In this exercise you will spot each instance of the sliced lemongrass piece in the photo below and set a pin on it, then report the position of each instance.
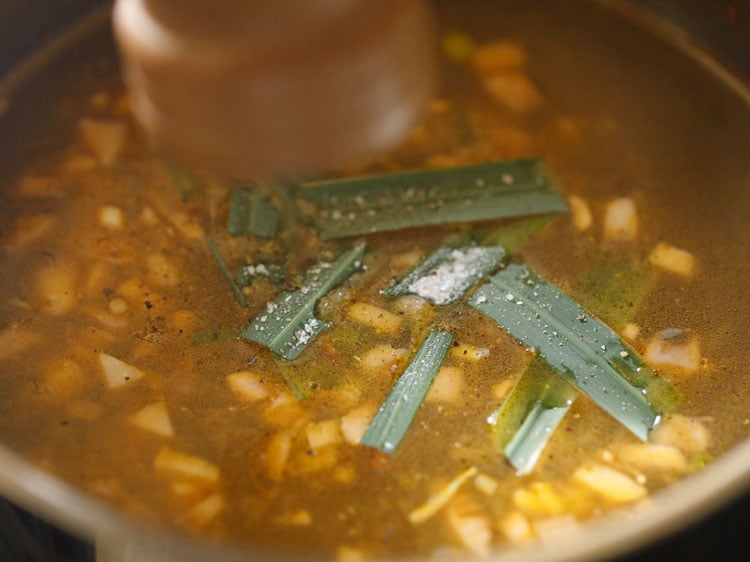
(251, 213)
(378, 203)
(448, 273)
(577, 345)
(225, 273)
(288, 323)
(529, 415)
(390, 424)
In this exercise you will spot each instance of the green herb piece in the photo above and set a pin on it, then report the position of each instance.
(615, 288)
(251, 213)
(577, 345)
(288, 324)
(447, 273)
(238, 294)
(378, 203)
(290, 376)
(274, 272)
(388, 427)
(531, 412)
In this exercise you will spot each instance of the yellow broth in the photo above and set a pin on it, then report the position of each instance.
(103, 254)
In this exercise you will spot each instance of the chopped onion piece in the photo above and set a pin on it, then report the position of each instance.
(176, 465)
(473, 531)
(354, 424)
(621, 220)
(205, 511)
(320, 434)
(110, 217)
(653, 457)
(674, 348)
(153, 418)
(447, 386)
(673, 259)
(117, 372)
(516, 528)
(687, 434)
(247, 386)
(384, 358)
(277, 454)
(105, 138)
(580, 213)
(609, 483)
(377, 318)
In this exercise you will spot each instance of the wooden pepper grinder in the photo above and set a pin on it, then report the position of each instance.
(262, 87)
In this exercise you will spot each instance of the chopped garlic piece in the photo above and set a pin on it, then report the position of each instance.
(473, 531)
(405, 260)
(609, 483)
(149, 217)
(539, 499)
(514, 91)
(118, 306)
(516, 528)
(317, 460)
(438, 500)
(384, 358)
(154, 418)
(285, 411)
(687, 434)
(105, 138)
(485, 484)
(205, 511)
(277, 455)
(447, 386)
(468, 352)
(355, 422)
(498, 57)
(501, 390)
(631, 331)
(413, 305)
(110, 217)
(63, 378)
(344, 474)
(377, 318)
(247, 386)
(580, 213)
(176, 465)
(57, 288)
(161, 270)
(653, 457)
(320, 434)
(117, 372)
(621, 220)
(673, 259)
(675, 348)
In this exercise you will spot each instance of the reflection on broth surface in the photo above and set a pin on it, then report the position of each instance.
(121, 368)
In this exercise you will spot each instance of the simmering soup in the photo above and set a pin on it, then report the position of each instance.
(528, 315)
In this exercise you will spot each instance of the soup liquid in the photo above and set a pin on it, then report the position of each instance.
(103, 257)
